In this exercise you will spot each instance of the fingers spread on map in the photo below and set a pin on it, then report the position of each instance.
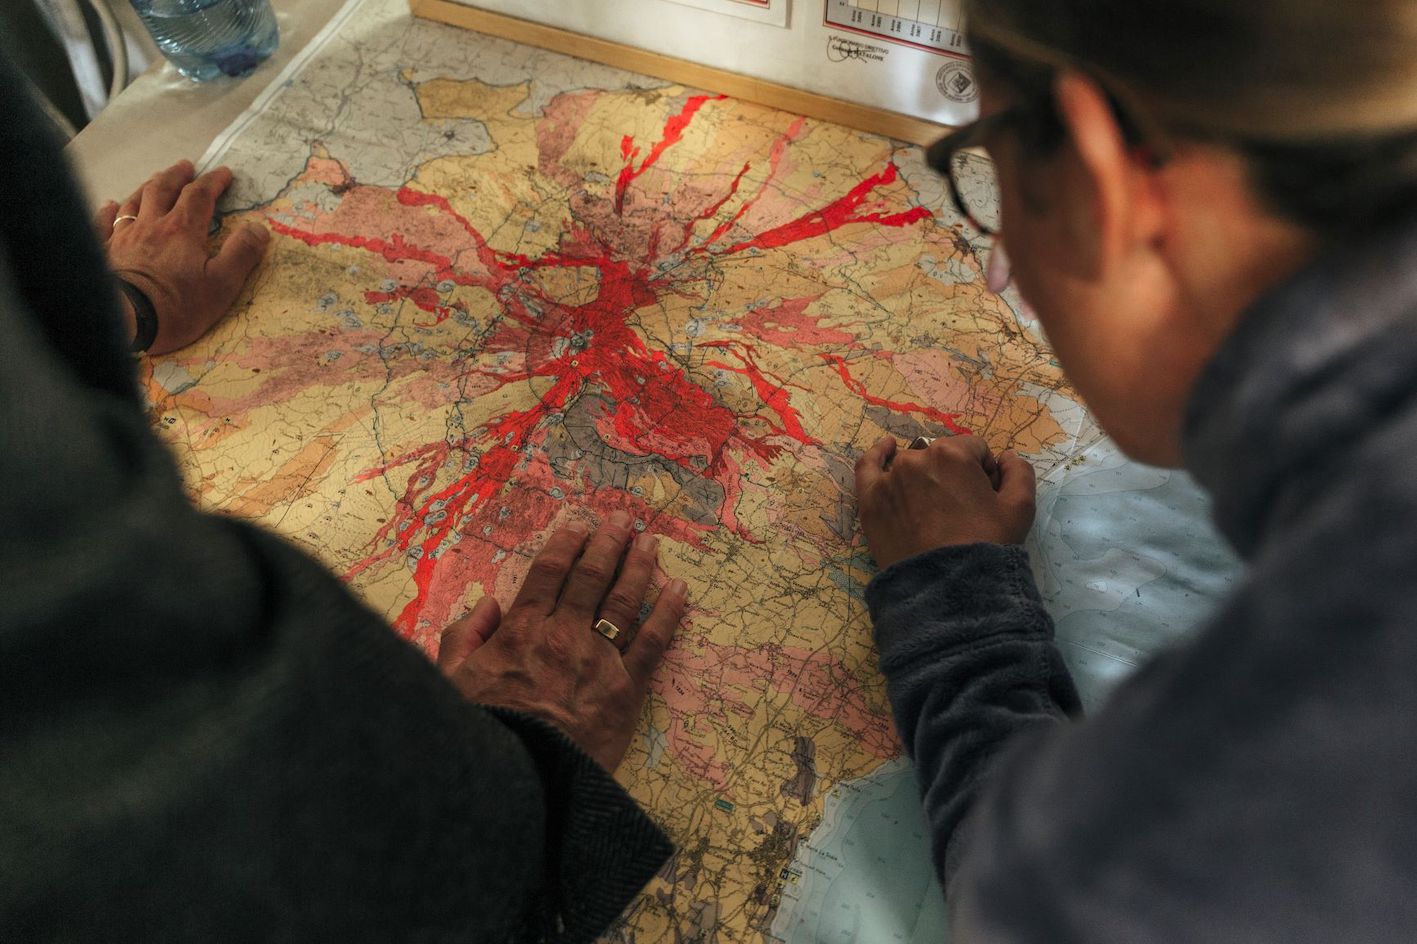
(158, 240)
(591, 577)
(650, 643)
(197, 202)
(545, 657)
(464, 635)
(547, 574)
(236, 260)
(954, 492)
(622, 604)
(157, 196)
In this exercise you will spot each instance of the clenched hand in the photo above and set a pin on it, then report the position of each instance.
(953, 492)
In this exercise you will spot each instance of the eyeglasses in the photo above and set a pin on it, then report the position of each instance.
(961, 159)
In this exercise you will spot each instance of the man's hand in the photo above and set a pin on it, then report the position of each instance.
(164, 251)
(953, 492)
(545, 658)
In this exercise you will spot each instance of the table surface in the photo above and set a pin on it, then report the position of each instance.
(163, 117)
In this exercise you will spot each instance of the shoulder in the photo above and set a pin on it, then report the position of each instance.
(1252, 778)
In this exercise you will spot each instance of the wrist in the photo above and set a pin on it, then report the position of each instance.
(967, 584)
(140, 315)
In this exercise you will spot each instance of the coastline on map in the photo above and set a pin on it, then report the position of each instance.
(866, 866)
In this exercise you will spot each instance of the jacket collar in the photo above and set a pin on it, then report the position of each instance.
(1314, 367)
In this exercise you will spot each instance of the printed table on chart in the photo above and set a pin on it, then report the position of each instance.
(932, 24)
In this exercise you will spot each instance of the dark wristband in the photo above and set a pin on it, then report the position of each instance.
(144, 315)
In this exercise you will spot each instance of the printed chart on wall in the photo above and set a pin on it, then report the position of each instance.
(933, 26)
(772, 12)
(926, 24)
(509, 289)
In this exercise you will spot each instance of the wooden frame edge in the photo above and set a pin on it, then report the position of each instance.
(632, 58)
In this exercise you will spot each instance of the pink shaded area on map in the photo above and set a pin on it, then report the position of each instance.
(705, 680)
(456, 489)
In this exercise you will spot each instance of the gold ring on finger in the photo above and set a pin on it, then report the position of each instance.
(125, 218)
(920, 442)
(608, 629)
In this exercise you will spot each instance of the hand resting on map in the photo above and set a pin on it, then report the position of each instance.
(953, 492)
(543, 655)
(165, 252)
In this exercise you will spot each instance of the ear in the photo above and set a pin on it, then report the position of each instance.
(1125, 204)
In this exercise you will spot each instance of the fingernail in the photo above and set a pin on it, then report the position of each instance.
(620, 519)
(677, 588)
(577, 528)
(648, 543)
(259, 231)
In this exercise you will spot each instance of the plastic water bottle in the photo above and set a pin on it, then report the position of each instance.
(208, 38)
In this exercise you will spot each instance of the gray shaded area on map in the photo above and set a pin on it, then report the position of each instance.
(362, 71)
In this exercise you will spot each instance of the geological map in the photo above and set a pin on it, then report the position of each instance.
(509, 289)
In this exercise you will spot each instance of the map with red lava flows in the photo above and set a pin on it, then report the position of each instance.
(508, 290)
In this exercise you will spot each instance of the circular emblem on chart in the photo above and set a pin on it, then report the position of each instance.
(955, 80)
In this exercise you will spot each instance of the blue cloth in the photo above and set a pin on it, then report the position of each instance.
(1260, 783)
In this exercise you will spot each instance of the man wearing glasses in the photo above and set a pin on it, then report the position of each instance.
(1225, 274)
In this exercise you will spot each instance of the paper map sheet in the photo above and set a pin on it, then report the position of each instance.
(509, 288)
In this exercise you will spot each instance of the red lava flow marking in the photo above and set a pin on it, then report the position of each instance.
(659, 404)
(949, 420)
(674, 129)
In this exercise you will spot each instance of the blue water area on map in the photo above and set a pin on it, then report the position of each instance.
(864, 874)
(1129, 567)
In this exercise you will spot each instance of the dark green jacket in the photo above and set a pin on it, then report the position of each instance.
(203, 735)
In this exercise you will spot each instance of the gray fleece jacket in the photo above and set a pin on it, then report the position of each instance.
(1260, 783)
